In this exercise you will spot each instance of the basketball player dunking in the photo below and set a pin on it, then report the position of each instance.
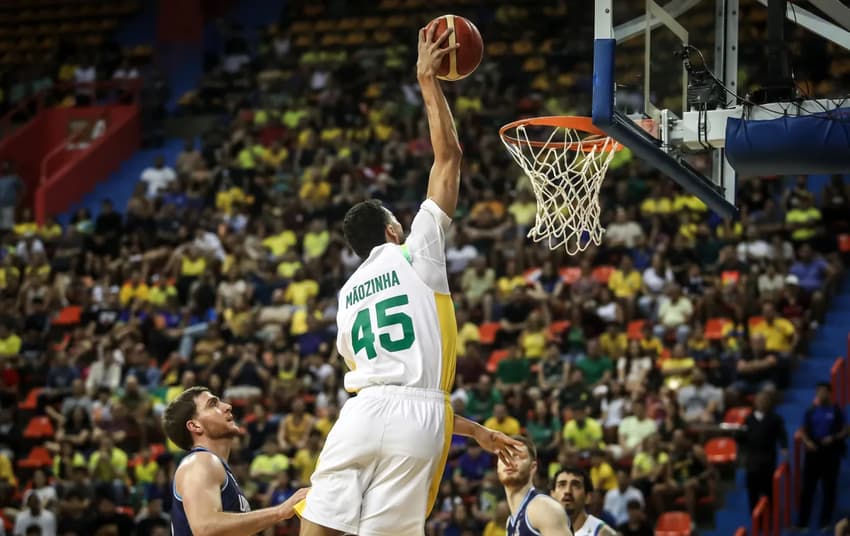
(207, 498)
(380, 468)
(571, 487)
(532, 513)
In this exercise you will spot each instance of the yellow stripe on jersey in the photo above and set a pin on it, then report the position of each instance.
(448, 335)
(437, 477)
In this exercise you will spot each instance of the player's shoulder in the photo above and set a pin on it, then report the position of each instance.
(200, 465)
(542, 506)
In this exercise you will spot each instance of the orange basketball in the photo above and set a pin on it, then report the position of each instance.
(462, 62)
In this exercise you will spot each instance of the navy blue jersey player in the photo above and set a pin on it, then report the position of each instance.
(532, 513)
(207, 498)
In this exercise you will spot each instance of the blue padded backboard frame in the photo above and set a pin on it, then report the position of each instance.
(624, 130)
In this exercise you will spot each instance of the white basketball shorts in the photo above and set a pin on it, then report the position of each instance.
(380, 469)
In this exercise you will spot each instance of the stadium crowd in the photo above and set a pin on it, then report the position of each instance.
(222, 270)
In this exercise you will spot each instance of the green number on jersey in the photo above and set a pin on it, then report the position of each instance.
(362, 336)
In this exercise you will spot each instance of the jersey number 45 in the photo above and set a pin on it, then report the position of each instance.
(363, 336)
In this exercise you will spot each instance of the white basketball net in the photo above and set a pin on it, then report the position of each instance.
(566, 183)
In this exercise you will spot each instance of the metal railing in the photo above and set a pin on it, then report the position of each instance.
(781, 498)
(761, 518)
(838, 381)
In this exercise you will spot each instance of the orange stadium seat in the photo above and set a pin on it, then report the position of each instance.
(755, 321)
(714, 328)
(495, 358)
(570, 274)
(39, 427)
(31, 401)
(635, 329)
(674, 524)
(721, 450)
(602, 274)
(737, 415)
(487, 332)
(38, 457)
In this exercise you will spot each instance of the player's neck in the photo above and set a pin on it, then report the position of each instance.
(515, 495)
(219, 448)
(578, 520)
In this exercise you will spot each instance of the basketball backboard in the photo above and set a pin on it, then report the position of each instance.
(673, 113)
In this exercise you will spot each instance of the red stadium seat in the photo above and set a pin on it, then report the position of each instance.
(730, 276)
(495, 358)
(69, 316)
(602, 274)
(570, 274)
(714, 328)
(31, 401)
(674, 524)
(737, 415)
(38, 457)
(721, 450)
(39, 427)
(844, 243)
(556, 328)
(487, 332)
(635, 329)
(755, 321)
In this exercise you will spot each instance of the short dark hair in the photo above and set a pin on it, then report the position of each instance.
(577, 471)
(181, 410)
(364, 226)
(529, 444)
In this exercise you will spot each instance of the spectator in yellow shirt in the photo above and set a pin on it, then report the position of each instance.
(279, 242)
(779, 333)
(467, 332)
(583, 432)
(601, 473)
(306, 458)
(502, 422)
(301, 289)
(134, 289)
(316, 240)
(677, 369)
(625, 282)
(614, 342)
(532, 339)
(315, 192)
(10, 343)
(269, 463)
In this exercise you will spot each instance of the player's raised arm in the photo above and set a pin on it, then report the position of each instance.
(444, 181)
(548, 517)
(199, 483)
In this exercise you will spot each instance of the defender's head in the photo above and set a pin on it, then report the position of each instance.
(572, 488)
(524, 468)
(197, 413)
(369, 224)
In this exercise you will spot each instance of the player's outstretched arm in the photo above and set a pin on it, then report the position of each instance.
(444, 181)
(506, 448)
(199, 483)
(548, 517)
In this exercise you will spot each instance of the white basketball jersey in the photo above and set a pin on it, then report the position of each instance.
(592, 526)
(396, 322)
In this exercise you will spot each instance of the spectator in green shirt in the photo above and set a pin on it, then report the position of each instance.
(482, 400)
(514, 369)
(597, 368)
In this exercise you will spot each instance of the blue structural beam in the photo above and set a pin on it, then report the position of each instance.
(624, 130)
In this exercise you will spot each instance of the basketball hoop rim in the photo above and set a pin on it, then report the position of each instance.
(597, 139)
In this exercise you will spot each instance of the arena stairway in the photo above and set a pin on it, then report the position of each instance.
(120, 185)
(829, 342)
